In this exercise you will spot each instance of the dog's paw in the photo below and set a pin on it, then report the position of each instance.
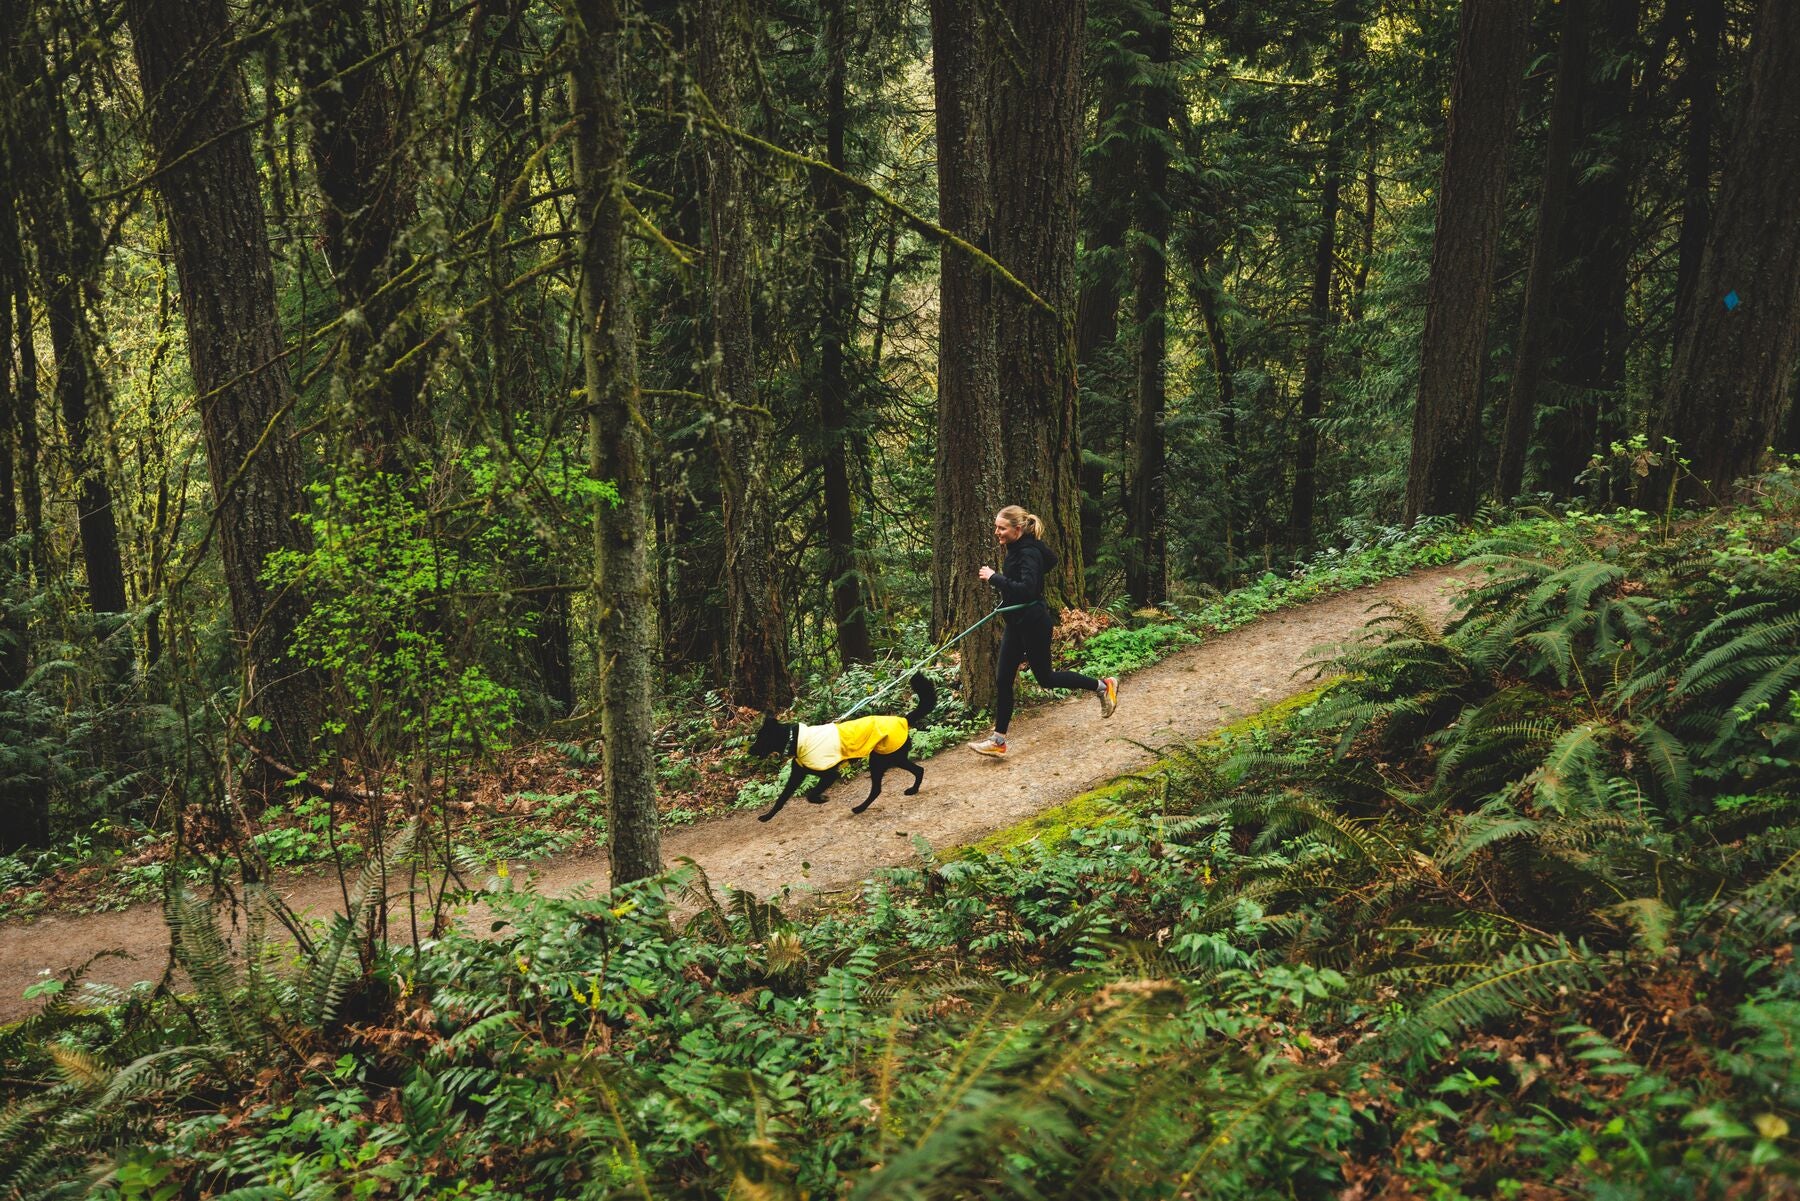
(814, 800)
(763, 817)
(913, 791)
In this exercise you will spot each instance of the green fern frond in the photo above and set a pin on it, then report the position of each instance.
(1533, 973)
(1767, 635)
(160, 1071)
(1567, 772)
(1767, 909)
(1413, 621)
(1668, 762)
(333, 967)
(1476, 832)
(79, 1068)
(1345, 835)
(694, 888)
(1557, 646)
(200, 948)
(1576, 584)
(1651, 917)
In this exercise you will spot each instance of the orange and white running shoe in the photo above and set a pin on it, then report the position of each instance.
(994, 745)
(1109, 695)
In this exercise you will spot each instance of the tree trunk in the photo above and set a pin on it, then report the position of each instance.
(617, 452)
(1484, 101)
(1110, 163)
(11, 569)
(1587, 329)
(848, 608)
(1732, 377)
(79, 386)
(365, 180)
(1206, 297)
(31, 493)
(550, 645)
(1348, 19)
(1559, 150)
(1034, 118)
(743, 429)
(212, 196)
(24, 798)
(1147, 568)
(24, 795)
(60, 220)
(1701, 83)
(970, 467)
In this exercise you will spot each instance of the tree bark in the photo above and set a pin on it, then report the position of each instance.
(79, 390)
(1484, 100)
(60, 221)
(365, 180)
(195, 104)
(849, 610)
(550, 644)
(617, 450)
(1588, 329)
(1146, 575)
(1559, 150)
(1701, 83)
(24, 791)
(742, 426)
(1034, 144)
(1206, 297)
(1732, 377)
(31, 492)
(12, 568)
(1348, 19)
(1110, 163)
(970, 467)
(24, 798)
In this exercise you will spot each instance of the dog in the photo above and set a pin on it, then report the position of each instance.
(817, 750)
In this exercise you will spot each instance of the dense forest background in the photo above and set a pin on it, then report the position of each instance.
(396, 399)
(387, 383)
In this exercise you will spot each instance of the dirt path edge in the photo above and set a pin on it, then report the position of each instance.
(1060, 750)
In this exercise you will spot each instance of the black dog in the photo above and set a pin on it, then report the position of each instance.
(817, 750)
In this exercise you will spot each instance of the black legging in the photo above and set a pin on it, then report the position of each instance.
(1029, 641)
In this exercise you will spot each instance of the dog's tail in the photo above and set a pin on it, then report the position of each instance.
(927, 699)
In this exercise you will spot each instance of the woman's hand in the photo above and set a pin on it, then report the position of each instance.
(986, 571)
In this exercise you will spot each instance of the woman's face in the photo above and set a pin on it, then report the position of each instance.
(1005, 531)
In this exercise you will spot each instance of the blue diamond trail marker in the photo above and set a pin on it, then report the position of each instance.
(1732, 301)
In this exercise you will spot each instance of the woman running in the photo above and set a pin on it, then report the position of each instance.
(1020, 581)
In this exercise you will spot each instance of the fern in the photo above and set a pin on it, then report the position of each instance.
(1533, 973)
(1668, 762)
(1568, 776)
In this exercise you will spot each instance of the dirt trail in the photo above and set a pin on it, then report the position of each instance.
(1060, 750)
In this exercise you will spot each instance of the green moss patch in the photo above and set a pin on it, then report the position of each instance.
(1103, 806)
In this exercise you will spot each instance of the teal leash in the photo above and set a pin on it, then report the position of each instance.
(908, 673)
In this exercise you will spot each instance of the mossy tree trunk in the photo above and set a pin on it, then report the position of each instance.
(617, 447)
(1471, 204)
(213, 202)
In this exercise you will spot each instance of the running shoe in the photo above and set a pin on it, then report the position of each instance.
(1109, 695)
(993, 745)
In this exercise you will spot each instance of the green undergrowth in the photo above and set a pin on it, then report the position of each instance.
(1507, 911)
(1369, 555)
(536, 824)
(1130, 798)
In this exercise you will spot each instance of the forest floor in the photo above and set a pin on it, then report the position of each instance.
(1060, 750)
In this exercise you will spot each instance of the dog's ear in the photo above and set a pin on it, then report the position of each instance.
(770, 737)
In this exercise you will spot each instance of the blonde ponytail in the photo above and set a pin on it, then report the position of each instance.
(1019, 519)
